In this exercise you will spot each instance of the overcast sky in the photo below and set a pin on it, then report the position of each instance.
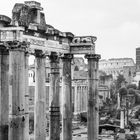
(116, 23)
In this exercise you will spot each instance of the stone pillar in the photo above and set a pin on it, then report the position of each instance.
(86, 90)
(85, 99)
(17, 119)
(26, 96)
(118, 98)
(38, 16)
(93, 106)
(78, 99)
(66, 98)
(80, 96)
(75, 99)
(4, 95)
(40, 97)
(122, 119)
(54, 103)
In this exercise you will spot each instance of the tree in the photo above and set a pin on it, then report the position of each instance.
(131, 91)
(123, 91)
(120, 79)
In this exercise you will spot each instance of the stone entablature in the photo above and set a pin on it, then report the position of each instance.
(28, 24)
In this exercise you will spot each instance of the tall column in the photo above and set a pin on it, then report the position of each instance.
(122, 119)
(54, 103)
(75, 99)
(17, 122)
(66, 98)
(118, 98)
(78, 98)
(97, 96)
(26, 97)
(93, 110)
(40, 96)
(4, 95)
(86, 97)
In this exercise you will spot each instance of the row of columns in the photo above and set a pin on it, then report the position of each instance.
(80, 103)
(14, 96)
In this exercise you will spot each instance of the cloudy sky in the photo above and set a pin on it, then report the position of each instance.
(116, 23)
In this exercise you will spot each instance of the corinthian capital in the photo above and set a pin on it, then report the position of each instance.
(16, 45)
(95, 57)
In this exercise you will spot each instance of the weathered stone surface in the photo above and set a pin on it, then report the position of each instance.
(34, 4)
(83, 45)
(25, 14)
(4, 96)
(70, 36)
(17, 90)
(42, 25)
(20, 15)
(54, 97)
(66, 98)
(93, 106)
(40, 96)
(4, 20)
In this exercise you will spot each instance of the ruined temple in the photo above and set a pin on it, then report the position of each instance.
(25, 34)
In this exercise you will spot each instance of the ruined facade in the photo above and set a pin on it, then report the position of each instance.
(116, 66)
(28, 34)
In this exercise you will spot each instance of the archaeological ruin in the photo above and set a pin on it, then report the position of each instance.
(25, 34)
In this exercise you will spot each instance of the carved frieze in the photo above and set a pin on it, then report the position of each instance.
(83, 45)
(83, 40)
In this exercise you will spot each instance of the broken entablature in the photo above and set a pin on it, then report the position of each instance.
(28, 24)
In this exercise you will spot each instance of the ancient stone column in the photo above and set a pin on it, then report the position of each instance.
(40, 97)
(4, 92)
(75, 100)
(17, 119)
(4, 82)
(93, 106)
(54, 103)
(66, 98)
(122, 119)
(26, 96)
(78, 99)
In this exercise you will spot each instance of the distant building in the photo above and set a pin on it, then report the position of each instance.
(115, 66)
(137, 76)
(138, 59)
